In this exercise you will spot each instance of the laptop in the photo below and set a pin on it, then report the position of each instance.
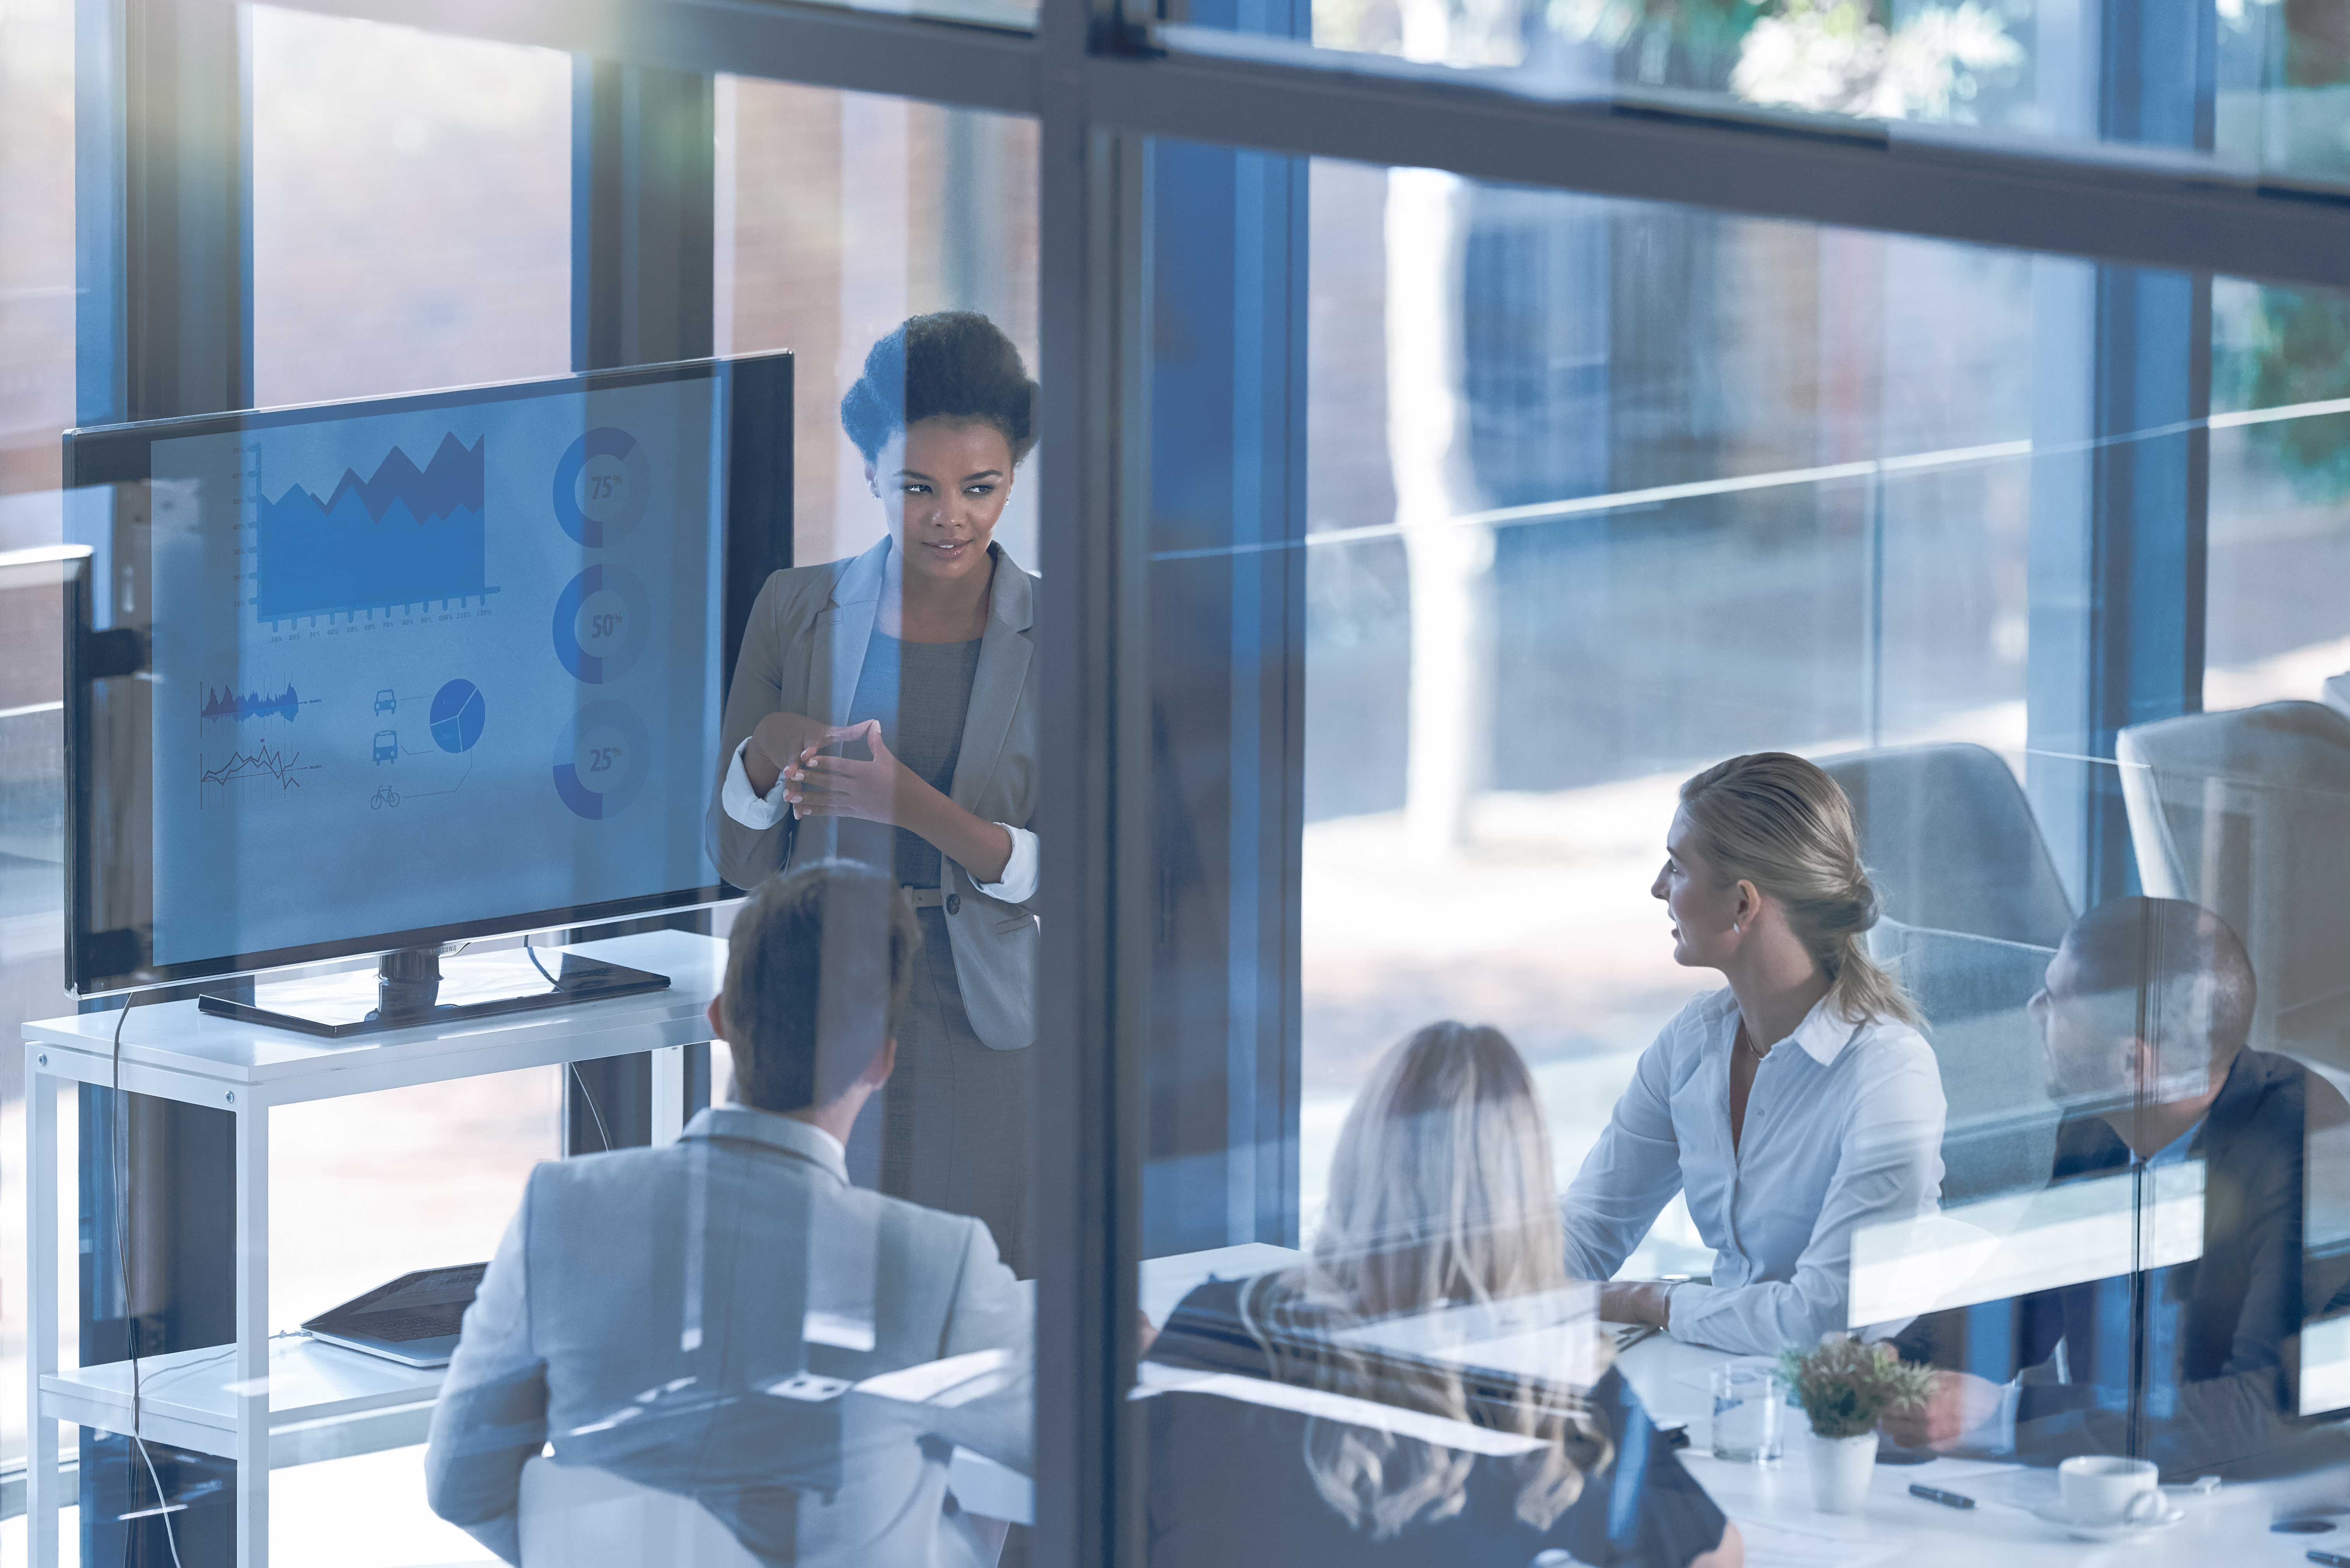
(413, 1320)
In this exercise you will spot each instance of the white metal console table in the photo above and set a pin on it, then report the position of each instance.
(267, 1403)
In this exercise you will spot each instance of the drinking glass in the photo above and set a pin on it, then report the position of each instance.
(1748, 1399)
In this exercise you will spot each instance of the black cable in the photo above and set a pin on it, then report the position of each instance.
(573, 1068)
(119, 1150)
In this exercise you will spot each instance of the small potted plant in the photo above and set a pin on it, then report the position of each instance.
(1844, 1386)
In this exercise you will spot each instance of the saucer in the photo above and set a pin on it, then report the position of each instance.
(2056, 1515)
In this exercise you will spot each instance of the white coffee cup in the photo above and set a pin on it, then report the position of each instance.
(2101, 1489)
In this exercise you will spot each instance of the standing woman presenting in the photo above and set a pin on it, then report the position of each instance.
(884, 709)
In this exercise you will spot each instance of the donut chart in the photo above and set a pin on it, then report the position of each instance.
(601, 486)
(601, 624)
(601, 760)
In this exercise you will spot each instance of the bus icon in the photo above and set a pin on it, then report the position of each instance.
(384, 701)
(387, 745)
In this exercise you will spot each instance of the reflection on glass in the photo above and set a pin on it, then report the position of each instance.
(701, 1337)
(1425, 1384)
(1699, 497)
(1763, 883)
(884, 711)
(2169, 1332)
(2259, 82)
(448, 262)
(2044, 608)
(839, 215)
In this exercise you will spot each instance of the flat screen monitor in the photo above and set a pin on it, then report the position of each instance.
(390, 674)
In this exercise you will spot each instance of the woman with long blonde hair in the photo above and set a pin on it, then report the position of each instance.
(1440, 1232)
(1794, 1106)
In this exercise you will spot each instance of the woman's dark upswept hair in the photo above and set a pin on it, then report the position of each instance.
(1778, 821)
(952, 365)
(1439, 1196)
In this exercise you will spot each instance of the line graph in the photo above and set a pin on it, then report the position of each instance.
(398, 536)
(264, 761)
(226, 703)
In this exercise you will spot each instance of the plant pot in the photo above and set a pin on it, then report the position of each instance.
(1841, 1468)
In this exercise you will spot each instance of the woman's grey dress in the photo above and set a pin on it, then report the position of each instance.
(951, 1129)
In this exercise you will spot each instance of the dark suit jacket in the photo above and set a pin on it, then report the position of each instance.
(1229, 1487)
(2195, 1366)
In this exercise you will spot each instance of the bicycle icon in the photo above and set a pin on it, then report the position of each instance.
(384, 795)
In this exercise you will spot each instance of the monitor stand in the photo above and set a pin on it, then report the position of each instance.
(408, 990)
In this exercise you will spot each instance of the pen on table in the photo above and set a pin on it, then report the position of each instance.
(1957, 1498)
(2332, 1559)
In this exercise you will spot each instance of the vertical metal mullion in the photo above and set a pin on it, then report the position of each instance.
(163, 327)
(644, 161)
(2119, 517)
(643, 214)
(1092, 992)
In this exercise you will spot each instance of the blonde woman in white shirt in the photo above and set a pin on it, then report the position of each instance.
(1793, 1106)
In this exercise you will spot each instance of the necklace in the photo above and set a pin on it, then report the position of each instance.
(1747, 1040)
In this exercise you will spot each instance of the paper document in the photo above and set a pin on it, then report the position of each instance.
(1776, 1546)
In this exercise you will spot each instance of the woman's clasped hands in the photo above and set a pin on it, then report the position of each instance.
(872, 788)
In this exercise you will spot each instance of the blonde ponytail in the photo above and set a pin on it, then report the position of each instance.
(1775, 819)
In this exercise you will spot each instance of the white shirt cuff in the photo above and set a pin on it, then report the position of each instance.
(743, 804)
(1681, 1302)
(2001, 1427)
(1018, 883)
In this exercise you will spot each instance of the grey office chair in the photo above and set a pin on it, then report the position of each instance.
(2001, 1136)
(2247, 812)
(1952, 843)
(1973, 910)
(2337, 693)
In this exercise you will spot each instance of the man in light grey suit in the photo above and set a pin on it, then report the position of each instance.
(689, 1317)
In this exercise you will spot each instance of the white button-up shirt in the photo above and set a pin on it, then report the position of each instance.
(1843, 1128)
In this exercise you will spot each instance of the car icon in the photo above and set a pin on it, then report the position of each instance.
(387, 745)
(385, 702)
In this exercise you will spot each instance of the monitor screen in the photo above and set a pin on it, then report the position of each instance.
(422, 668)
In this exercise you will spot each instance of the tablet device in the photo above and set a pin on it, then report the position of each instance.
(413, 1320)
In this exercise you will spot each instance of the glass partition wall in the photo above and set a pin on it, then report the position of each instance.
(1583, 504)
(1453, 1089)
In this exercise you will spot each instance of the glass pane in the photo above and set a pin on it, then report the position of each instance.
(2256, 83)
(825, 1329)
(2280, 471)
(37, 400)
(1721, 788)
(448, 263)
(410, 230)
(841, 214)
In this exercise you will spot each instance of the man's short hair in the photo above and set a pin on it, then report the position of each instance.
(2168, 972)
(817, 975)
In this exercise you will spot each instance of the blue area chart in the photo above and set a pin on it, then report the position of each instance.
(601, 486)
(401, 536)
(600, 624)
(456, 716)
(601, 759)
(228, 704)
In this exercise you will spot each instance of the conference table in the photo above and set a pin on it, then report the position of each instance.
(1772, 1503)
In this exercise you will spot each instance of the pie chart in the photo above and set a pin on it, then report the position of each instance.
(457, 711)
